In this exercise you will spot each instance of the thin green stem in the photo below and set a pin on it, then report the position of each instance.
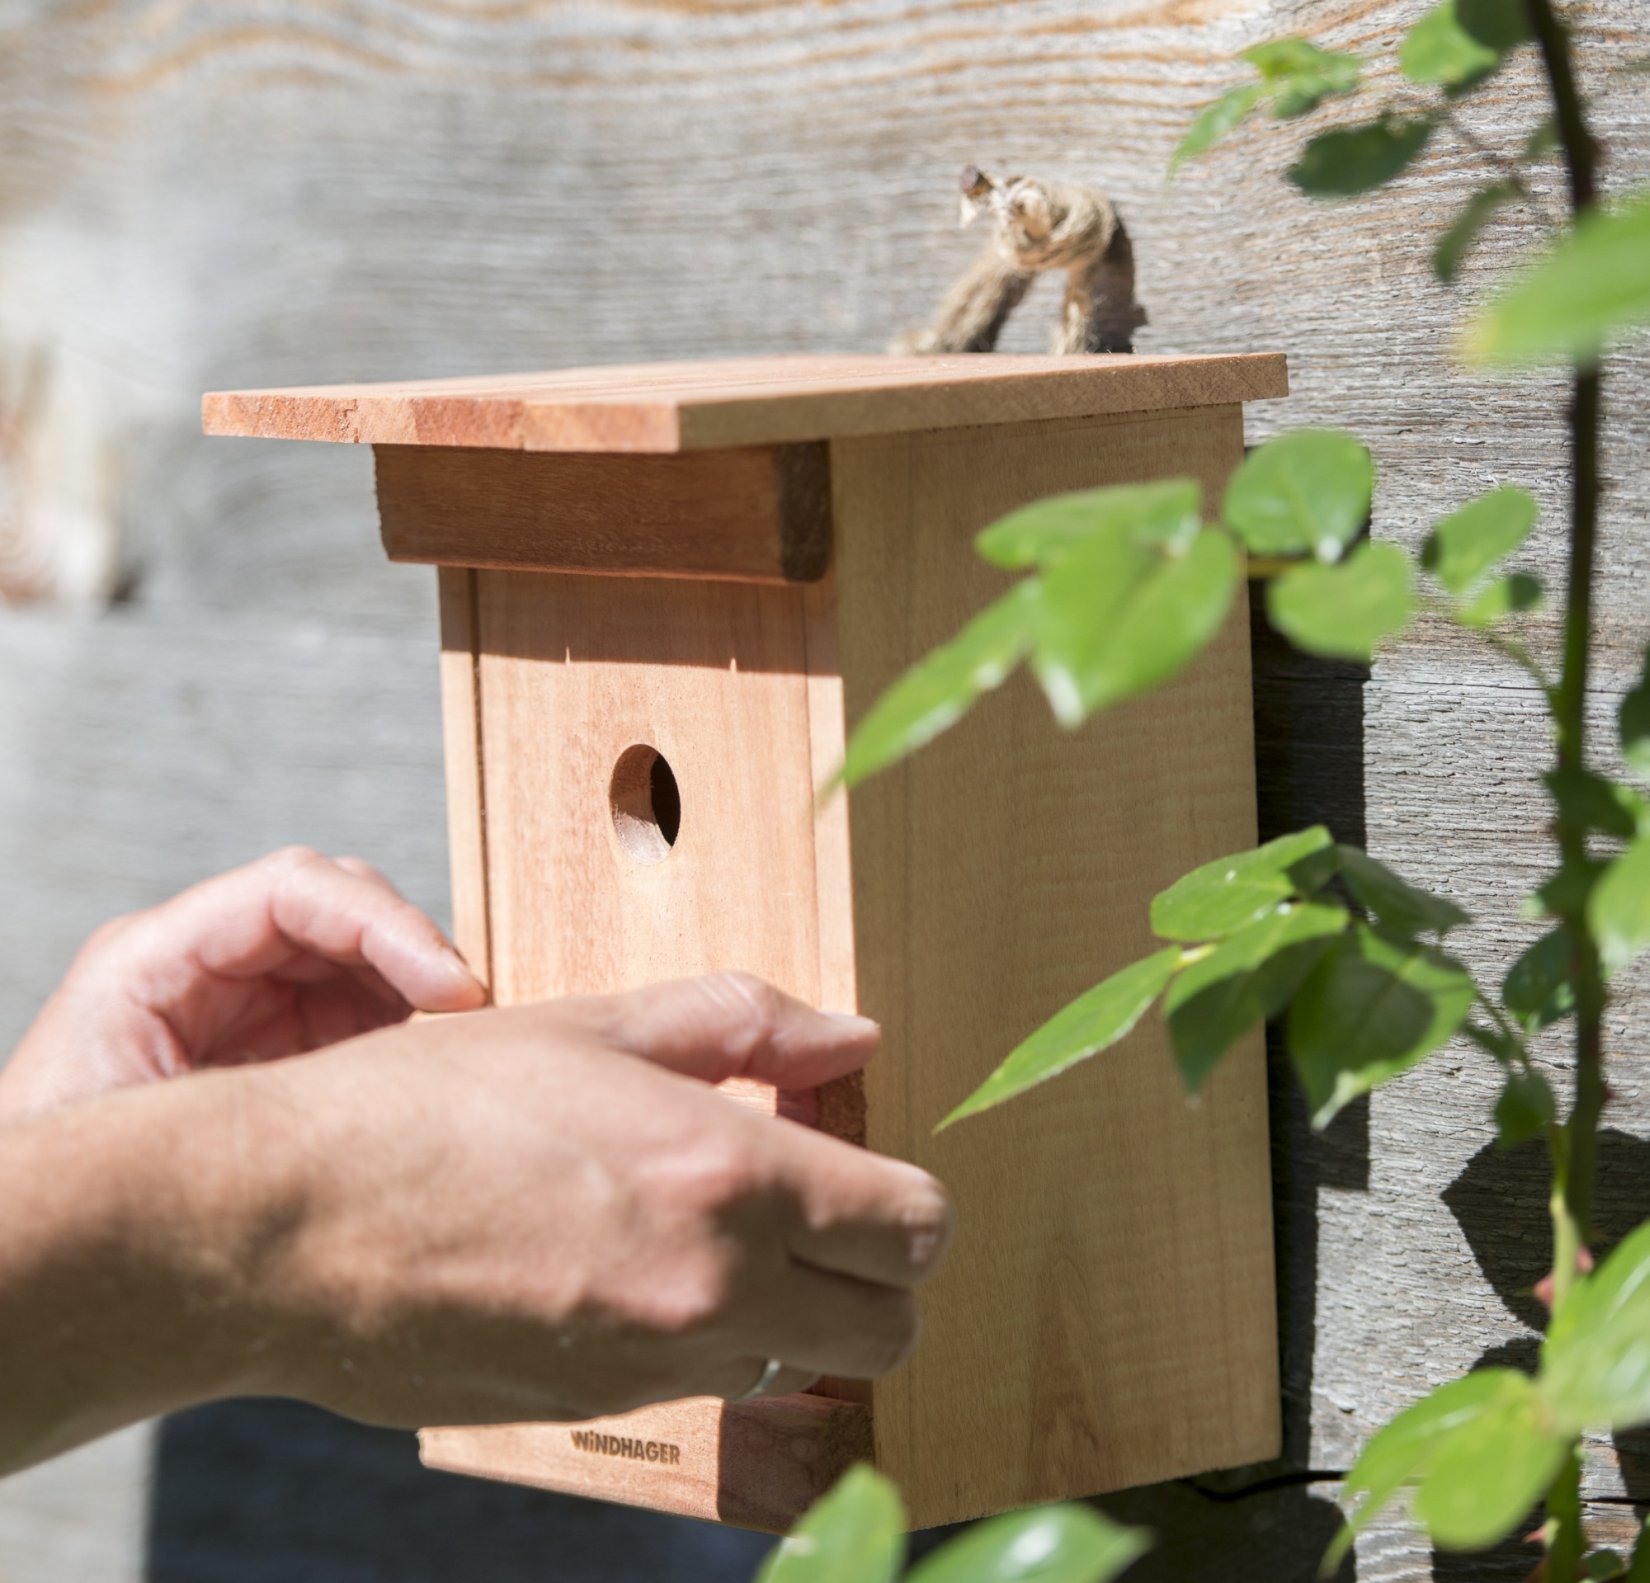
(1639, 1571)
(1510, 647)
(1586, 419)
(1526, 662)
(1509, 1029)
(1510, 170)
(1576, 1148)
(1566, 1544)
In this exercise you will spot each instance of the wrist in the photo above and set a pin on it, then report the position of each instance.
(129, 1252)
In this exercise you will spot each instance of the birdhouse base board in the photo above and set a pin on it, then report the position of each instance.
(753, 1464)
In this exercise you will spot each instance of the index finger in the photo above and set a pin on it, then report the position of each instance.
(728, 1025)
(257, 919)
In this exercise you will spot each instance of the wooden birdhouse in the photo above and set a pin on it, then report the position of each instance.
(667, 593)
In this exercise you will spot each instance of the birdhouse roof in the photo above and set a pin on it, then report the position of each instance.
(671, 407)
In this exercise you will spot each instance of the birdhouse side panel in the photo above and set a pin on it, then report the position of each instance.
(1106, 1315)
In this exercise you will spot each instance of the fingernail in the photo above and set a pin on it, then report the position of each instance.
(458, 970)
(453, 965)
(849, 1023)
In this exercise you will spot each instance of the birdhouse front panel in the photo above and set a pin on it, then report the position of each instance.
(666, 594)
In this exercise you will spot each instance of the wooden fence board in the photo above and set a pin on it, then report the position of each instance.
(198, 197)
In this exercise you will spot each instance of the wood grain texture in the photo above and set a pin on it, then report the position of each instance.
(753, 1464)
(197, 197)
(754, 514)
(574, 672)
(752, 401)
(1105, 1316)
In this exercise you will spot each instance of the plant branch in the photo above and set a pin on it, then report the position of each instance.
(1506, 1026)
(1576, 1148)
(1510, 170)
(1585, 416)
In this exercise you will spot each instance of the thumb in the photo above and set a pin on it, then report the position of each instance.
(729, 1025)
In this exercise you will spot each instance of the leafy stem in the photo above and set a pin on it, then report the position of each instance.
(1526, 662)
(1511, 171)
(1580, 152)
(1575, 1163)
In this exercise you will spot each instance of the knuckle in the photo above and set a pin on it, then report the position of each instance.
(758, 1004)
(111, 933)
(106, 941)
(716, 1176)
(288, 859)
(721, 1184)
(693, 1302)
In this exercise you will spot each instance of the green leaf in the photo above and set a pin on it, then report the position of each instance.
(1454, 245)
(1091, 1023)
(1566, 891)
(1492, 1041)
(1505, 596)
(1219, 898)
(1598, 803)
(1595, 1362)
(1344, 163)
(1438, 50)
(1046, 532)
(1603, 1565)
(1300, 75)
(1246, 979)
(1049, 1544)
(1579, 299)
(854, 1533)
(1525, 1108)
(1639, 1571)
(1117, 620)
(1305, 491)
(1488, 1472)
(1343, 612)
(1618, 909)
(943, 686)
(1371, 1009)
(1408, 1448)
(1537, 988)
(1634, 724)
(1468, 542)
(1402, 908)
(1215, 121)
(1500, 24)
(1281, 60)
(1543, 140)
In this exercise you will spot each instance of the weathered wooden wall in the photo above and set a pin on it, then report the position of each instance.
(272, 191)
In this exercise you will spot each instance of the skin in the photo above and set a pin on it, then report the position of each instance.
(232, 1166)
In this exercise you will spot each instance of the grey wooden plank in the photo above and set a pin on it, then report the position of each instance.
(192, 197)
(146, 751)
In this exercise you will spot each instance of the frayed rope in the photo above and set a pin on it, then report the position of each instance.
(1040, 225)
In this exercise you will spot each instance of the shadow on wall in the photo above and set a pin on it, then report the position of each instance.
(270, 1492)
(1500, 1202)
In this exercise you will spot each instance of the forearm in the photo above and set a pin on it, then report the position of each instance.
(126, 1228)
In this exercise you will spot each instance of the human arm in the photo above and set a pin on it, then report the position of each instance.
(534, 1214)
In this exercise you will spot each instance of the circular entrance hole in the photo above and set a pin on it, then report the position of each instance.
(647, 804)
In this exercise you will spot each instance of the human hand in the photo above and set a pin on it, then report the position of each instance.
(549, 1213)
(287, 954)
